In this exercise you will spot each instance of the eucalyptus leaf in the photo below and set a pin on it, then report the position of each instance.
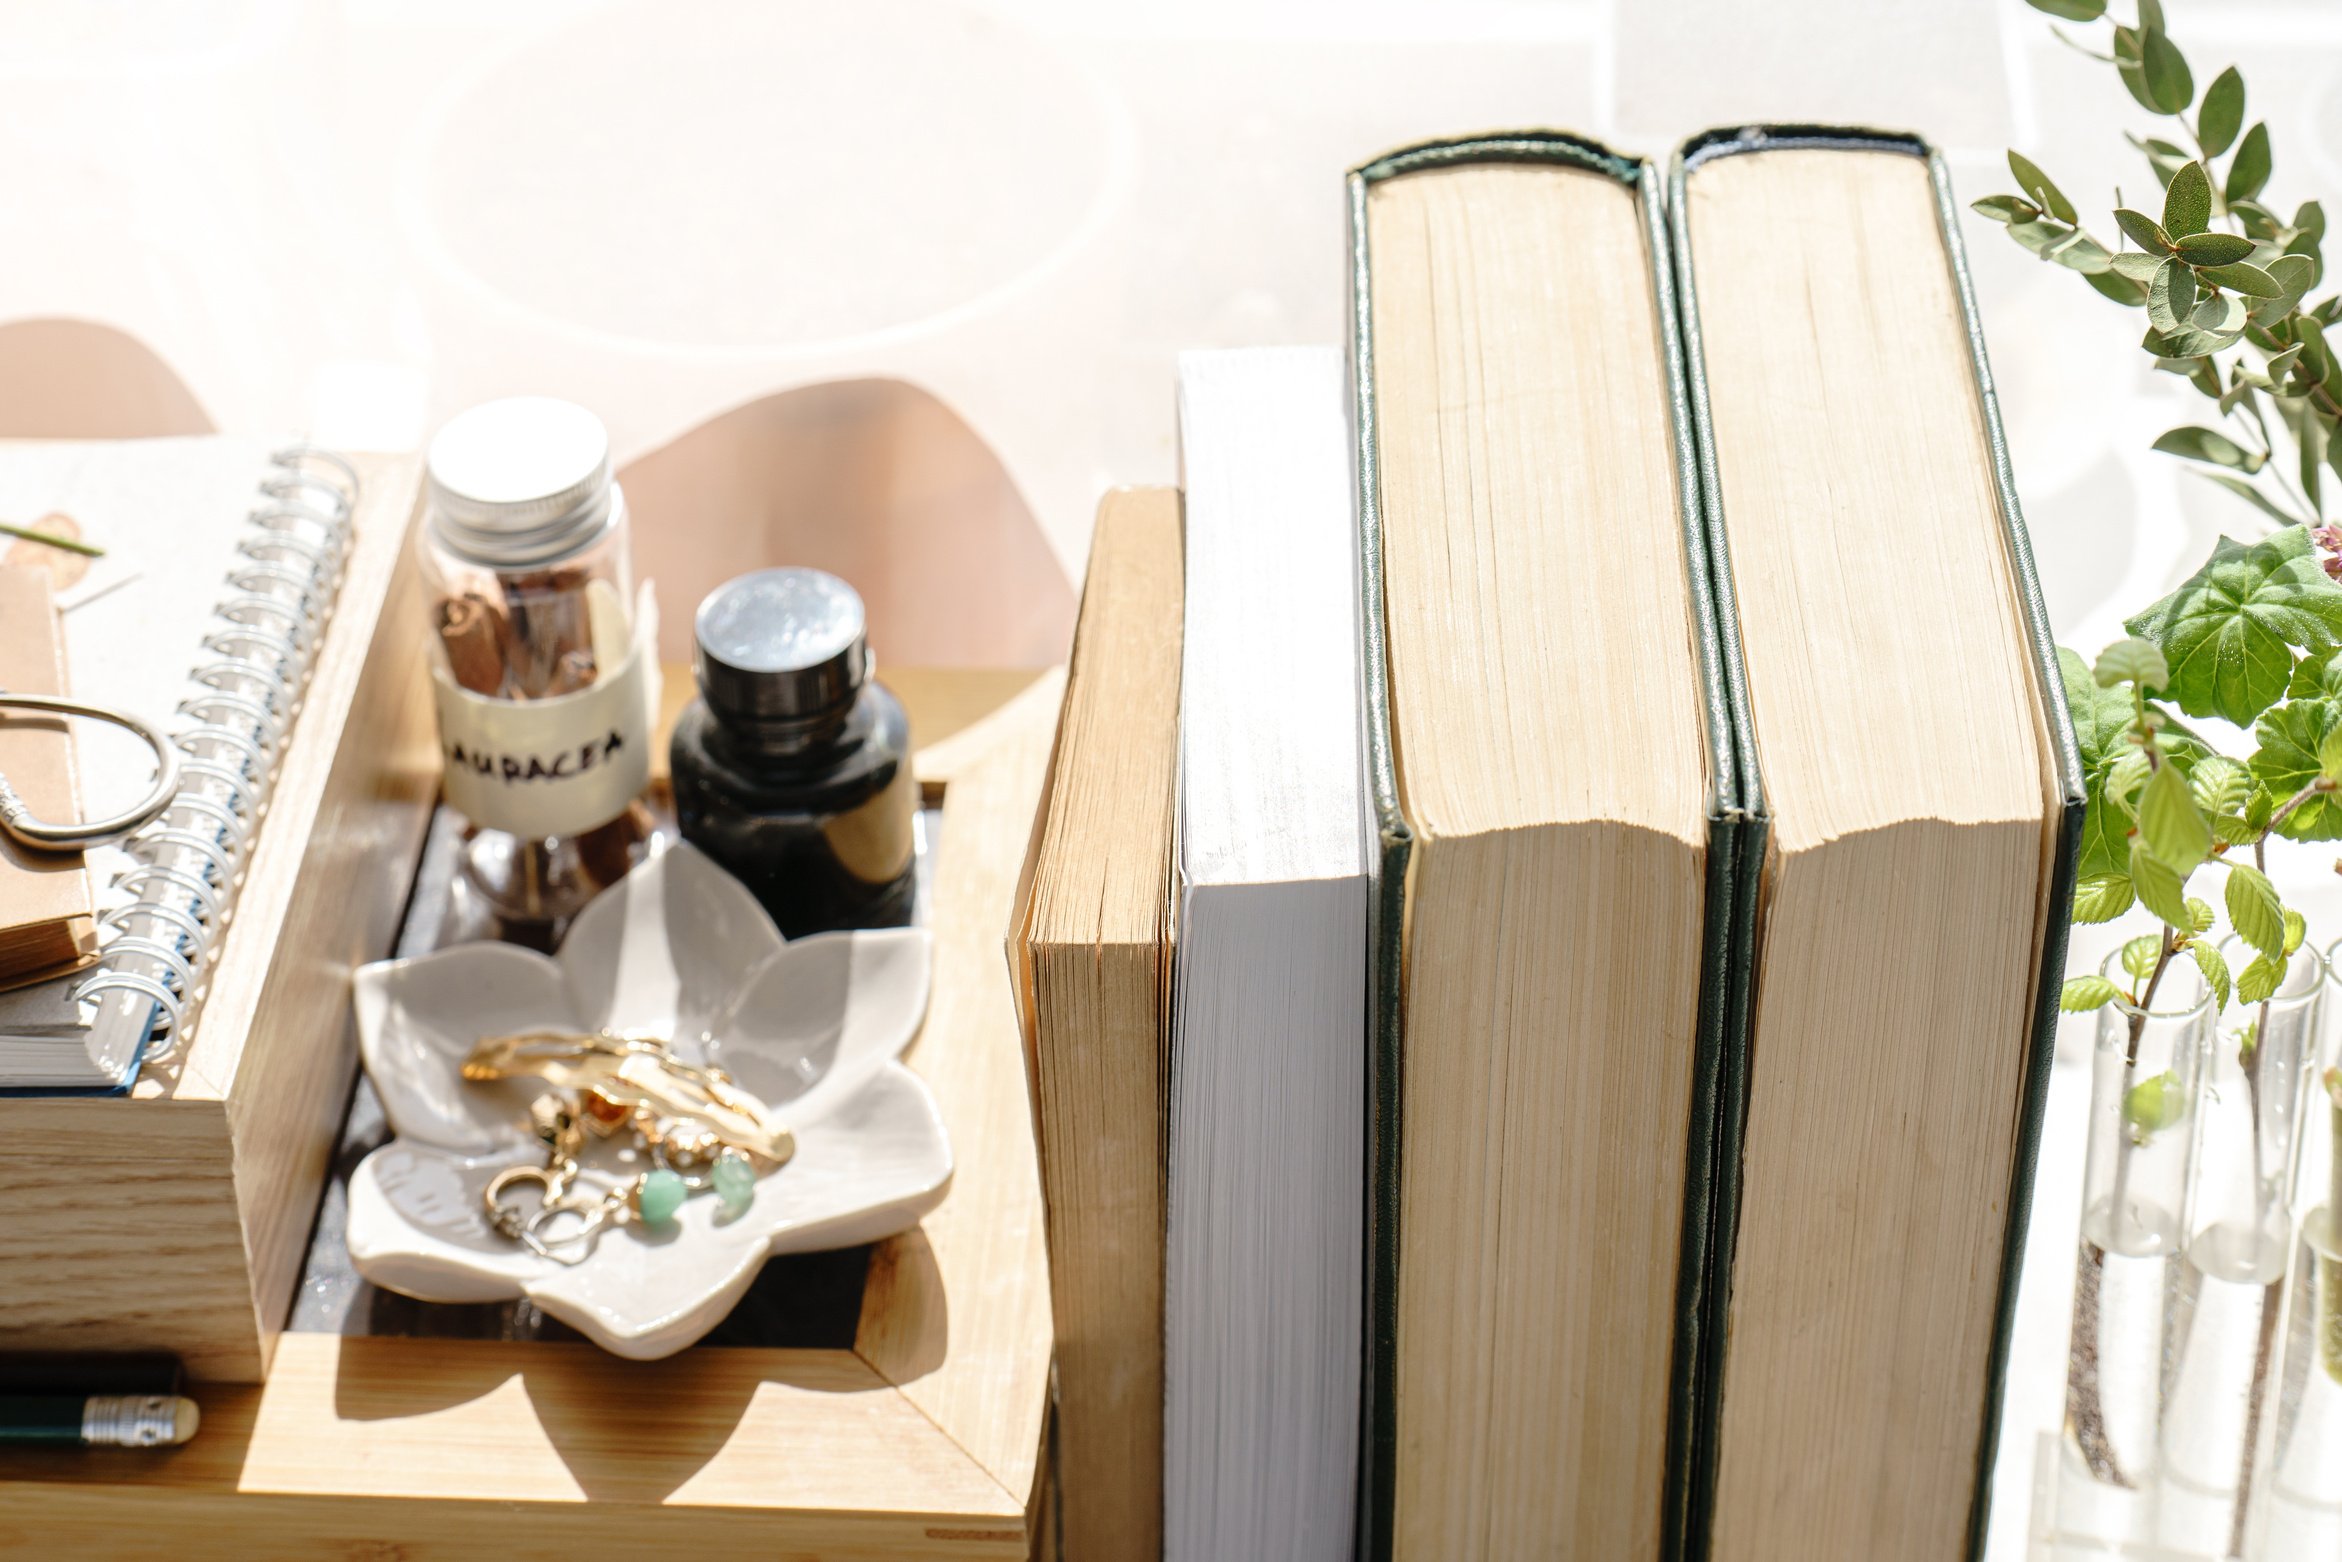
(2039, 235)
(2247, 492)
(2187, 205)
(2219, 314)
(2213, 249)
(2163, 157)
(2171, 296)
(2163, 69)
(2294, 276)
(2188, 342)
(2229, 630)
(2223, 112)
(2071, 10)
(2137, 265)
(2248, 171)
(2243, 277)
(2006, 208)
(2204, 444)
(2144, 230)
(2215, 968)
(2080, 252)
(2118, 287)
(2038, 185)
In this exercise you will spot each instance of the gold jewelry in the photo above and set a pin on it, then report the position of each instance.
(640, 1073)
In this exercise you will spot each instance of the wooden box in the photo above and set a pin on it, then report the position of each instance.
(924, 1439)
(174, 1218)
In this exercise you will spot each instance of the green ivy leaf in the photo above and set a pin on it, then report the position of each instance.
(2081, 994)
(2248, 173)
(2144, 230)
(2316, 676)
(2171, 296)
(2006, 208)
(2229, 630)
(2204, 444)
(2286, 761)
(2253, 908)
(2187, 205)
(2171, 824)
(2160, 888)
(2259, 980)
(2102, 899)
(2215, 969)
(2213, 249)
(2222, 113)
(2244, 277)
(2038, 185)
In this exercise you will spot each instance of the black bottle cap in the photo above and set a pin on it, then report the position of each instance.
(782, 645)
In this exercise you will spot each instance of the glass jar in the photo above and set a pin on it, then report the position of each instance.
(2228, 1294)
(793, 767)
(2134, 1224)
(2297, 1485)
(545, 702)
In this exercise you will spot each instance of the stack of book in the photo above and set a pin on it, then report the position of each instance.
(1540, 948)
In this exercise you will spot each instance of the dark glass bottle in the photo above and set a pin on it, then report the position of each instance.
(793, 768)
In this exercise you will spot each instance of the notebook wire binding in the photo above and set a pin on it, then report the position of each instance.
(230, 731)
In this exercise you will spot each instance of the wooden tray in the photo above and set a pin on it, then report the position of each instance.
(923, 1439)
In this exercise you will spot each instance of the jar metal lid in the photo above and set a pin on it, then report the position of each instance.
(521, 481)
(780, 645)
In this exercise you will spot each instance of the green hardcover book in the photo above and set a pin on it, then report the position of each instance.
(1566, 857)
(1915, 779)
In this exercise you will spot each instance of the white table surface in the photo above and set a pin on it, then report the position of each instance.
(358, 217)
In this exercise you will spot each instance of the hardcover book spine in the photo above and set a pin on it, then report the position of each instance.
(1735, 846)
(2066, 783)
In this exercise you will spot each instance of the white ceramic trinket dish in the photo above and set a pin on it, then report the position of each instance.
(678, 949)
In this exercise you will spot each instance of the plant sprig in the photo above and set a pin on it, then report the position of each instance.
(2223, 277)
(2255, 637)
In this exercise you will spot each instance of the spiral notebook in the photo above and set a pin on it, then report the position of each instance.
(222, 558)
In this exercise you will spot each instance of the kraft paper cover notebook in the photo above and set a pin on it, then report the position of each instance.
(45, 906)
(1917, 772)
(1554, 768)
(1090, 954)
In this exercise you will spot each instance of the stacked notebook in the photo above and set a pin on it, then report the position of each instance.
(1614, 960)
(221, 558)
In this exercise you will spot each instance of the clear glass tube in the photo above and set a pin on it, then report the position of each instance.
(2298, 1477)
(2143, 1091)
(2227, 1296)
